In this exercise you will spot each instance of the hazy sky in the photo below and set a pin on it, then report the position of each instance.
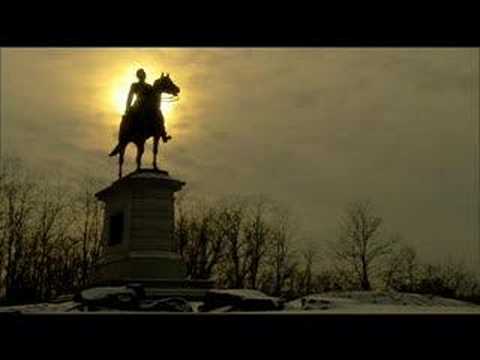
(312, 128)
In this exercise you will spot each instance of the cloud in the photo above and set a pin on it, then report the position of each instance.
(314, 128)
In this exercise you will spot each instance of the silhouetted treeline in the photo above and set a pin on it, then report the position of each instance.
(253, 243)
(50, 235)
(50, 243)
(241, 242)
(366, 256)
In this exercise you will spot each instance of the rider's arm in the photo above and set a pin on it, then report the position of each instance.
(130, 97)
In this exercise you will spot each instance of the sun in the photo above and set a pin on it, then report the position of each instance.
(121, 86)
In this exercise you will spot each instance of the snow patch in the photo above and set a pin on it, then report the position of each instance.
(379, 302)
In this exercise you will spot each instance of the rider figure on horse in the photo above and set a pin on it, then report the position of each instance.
(141, 90)
(144, 119)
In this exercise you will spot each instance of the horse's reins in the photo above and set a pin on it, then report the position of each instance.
(171, 98)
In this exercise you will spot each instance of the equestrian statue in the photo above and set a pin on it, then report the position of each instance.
(144, 118)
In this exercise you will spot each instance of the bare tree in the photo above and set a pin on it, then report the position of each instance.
(42, 253)
(200, 236)
(88, 212)
(401, 268)
(49, 215)
(361, 245)
(233, 268)
(234, 239)
(449, 279)
(17, 202)
(227, 238)
(308, 257)
(257, 236)
(281, 258)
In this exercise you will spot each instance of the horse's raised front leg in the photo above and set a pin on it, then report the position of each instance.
(140, 150)
(155, 151)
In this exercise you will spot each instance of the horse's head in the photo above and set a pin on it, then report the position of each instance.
(166, 85)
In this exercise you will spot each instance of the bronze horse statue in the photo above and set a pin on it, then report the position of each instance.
(140, 125)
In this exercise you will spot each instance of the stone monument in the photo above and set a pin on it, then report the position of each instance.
(138, 229)
(139, 211)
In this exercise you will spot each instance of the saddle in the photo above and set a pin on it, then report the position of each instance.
(140, 122)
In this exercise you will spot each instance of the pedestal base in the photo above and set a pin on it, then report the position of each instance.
(141, 265)
(192, 290)
(139, 236)
(138, 228)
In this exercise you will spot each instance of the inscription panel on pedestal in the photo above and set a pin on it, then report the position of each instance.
(116, 228)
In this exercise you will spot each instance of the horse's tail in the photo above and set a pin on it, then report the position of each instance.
(115, 151)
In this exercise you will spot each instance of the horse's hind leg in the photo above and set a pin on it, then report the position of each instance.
(155, 151)
(120, 160)
(140, 150)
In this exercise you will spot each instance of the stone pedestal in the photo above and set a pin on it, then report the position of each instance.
(138, 233)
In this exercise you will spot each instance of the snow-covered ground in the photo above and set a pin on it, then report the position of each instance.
(358, 302)
(326, 303)
(69, 306)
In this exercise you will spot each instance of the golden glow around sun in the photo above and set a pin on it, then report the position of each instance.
(121, 86)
